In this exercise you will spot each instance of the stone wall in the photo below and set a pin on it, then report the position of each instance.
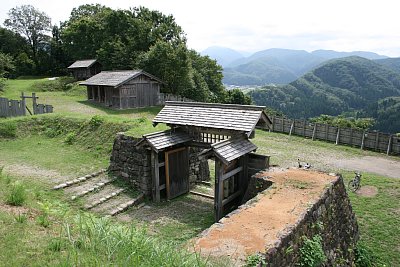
(134, 164)
(332, 218)
(131, 163)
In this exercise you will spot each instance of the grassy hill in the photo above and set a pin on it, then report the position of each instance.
(352, 85)
(33, 150)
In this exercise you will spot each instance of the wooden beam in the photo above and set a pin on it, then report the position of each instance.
(337, 136)
(313, 133)
(389, 145)
(218, 193)
(291, 129)
(156, 176)
(231, 173)
(231, 197)
(167, 175)
(363, 140)
(201, 194)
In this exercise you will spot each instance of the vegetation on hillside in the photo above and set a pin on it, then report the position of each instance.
(353, 85)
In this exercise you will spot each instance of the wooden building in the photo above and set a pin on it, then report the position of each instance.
(222, 132)
(84, 69)
(123, 89)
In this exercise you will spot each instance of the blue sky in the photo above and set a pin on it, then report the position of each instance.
(253, 25)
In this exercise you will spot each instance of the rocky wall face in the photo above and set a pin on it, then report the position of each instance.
(131, 163)
(332, 218)
(134, 164)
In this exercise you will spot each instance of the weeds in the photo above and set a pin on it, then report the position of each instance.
(21, 218)
(17, 195)
(70, 138)
(311, 252)
(365, 257)
(255, 260)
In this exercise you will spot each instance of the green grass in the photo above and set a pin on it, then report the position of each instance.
(378, 216)
(40, 142)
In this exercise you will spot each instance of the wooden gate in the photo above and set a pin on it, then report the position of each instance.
(177, 172)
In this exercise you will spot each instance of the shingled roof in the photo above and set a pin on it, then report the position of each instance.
(161, 140)
(82, 63)
(231, 149)
(242, 118)
(115, 78)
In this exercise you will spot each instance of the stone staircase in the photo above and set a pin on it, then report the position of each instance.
(100, 193)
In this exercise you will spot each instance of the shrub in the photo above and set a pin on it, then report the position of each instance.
(311, 252)
(96, 121)
(17, 194)
(8, 129)
(59, 84)
(70, 138)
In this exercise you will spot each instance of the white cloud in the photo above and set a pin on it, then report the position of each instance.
(260, 24)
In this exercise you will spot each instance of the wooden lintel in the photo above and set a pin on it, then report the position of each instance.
(231, 173)
(201, 194)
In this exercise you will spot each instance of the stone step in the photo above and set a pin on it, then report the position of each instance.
(78, 180)
(97, 186)
(126, 205)
(104, 199)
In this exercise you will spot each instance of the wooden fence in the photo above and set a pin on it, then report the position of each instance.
(373, 140)
(14, 108)
(170, 97)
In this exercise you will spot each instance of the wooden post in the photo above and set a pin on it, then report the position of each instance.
(283, 125)
(98, 94)
(219, 172)
(337, 135)
(273, 123)
(156, 176)
(389, 145)
(351, 136)
(291, 129)
(377, 141)
(313, 133)
(34, 103)
(326, 131)
(304, 128)
(23, 104)
(363, 140)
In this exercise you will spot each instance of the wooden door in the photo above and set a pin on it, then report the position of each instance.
(177, 172)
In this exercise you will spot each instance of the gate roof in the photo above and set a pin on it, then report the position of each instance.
(239, 118)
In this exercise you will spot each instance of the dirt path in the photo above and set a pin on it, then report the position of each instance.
(256, 227)
(377, 165)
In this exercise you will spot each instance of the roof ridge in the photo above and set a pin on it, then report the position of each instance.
(215, 105)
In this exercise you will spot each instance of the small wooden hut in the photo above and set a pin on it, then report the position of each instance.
(123, 89)
(84, 69)
(221, 132)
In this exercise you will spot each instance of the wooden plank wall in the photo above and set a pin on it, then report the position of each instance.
(162, 97)
(372, 140)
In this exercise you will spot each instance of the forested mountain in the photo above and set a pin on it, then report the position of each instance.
(223, 55)
(281, 66)
(353, 85)
(391, 63)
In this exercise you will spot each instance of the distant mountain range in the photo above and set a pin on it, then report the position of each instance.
(277, 66)
(352, 85)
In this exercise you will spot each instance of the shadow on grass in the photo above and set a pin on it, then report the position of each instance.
(151, 110)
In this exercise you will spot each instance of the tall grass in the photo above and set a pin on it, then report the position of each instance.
(100, 242)
(17, 194)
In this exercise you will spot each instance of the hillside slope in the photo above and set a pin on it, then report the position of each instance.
(351, 84)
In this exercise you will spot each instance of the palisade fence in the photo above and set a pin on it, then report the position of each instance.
(378, 141)
(15, 108)
(162, 97)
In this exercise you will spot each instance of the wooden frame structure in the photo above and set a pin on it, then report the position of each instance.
(84, 69)
(123, 89)
(222, 132)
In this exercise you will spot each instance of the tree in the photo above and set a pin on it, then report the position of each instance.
(6, 65)
(31, 23)
(236, 96)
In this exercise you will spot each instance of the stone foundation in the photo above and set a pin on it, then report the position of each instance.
(134, 164)
(333, 219)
